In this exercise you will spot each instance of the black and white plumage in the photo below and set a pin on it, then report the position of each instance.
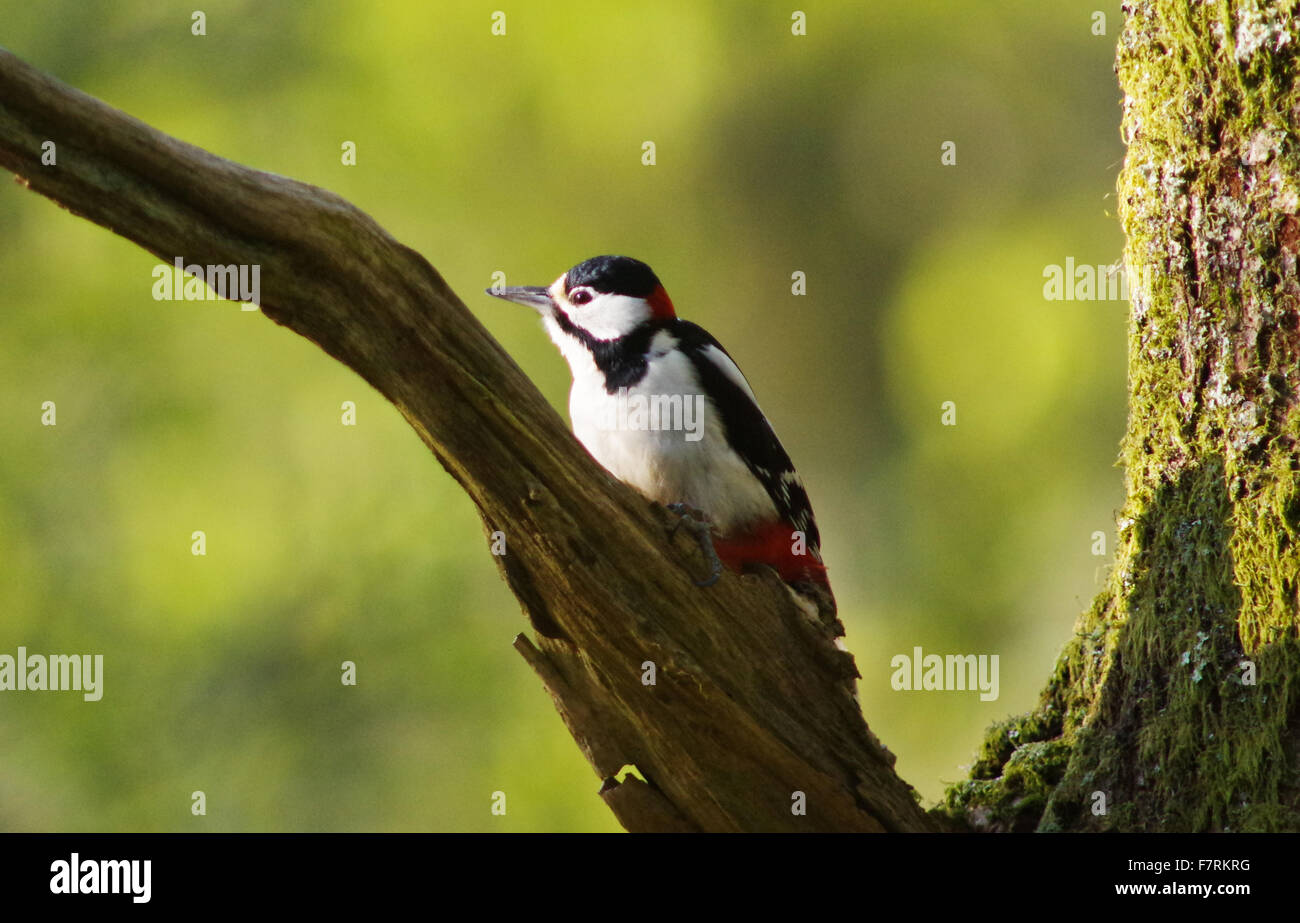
(615, 325)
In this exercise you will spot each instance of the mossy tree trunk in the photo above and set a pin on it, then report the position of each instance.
(1176, 706)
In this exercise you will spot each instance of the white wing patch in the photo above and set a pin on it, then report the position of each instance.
(730, 369)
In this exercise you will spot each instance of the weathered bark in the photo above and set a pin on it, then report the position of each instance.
(753, 701)
(1151, 703)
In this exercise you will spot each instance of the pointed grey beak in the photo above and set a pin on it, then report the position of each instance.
(534, 296)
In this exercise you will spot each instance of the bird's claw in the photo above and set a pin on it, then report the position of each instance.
(703, 533)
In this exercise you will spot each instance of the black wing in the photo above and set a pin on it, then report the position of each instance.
(748, 431)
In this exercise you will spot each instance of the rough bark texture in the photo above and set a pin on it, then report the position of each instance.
(752, 701)
(1151, 703)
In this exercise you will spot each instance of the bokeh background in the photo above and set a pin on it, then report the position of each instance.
(522, 153)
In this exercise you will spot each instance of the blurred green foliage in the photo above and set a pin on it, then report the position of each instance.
(522, 153)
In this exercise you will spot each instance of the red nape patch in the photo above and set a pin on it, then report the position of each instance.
(661, 306)
(771, 544)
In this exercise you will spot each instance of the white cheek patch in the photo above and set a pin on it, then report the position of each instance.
(608, 317)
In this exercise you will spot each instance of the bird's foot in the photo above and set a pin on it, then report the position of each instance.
(698, 526)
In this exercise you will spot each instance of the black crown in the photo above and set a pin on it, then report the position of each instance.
(613, 275)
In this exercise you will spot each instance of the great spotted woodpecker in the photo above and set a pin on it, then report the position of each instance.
(634, 362)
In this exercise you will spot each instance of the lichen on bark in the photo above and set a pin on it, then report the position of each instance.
(1176, 705)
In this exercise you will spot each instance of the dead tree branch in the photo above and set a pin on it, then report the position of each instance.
(752, 701)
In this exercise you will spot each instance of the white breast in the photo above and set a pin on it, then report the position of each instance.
(663, 436)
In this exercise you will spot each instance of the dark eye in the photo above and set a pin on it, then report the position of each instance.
(580, 296)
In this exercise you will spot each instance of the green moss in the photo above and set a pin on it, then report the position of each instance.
(1147, 704)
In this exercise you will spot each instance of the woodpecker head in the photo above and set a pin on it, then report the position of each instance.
(603, 299)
